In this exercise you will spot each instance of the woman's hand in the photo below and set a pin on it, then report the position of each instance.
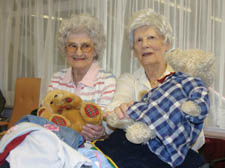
(121, 110)
(92, 132)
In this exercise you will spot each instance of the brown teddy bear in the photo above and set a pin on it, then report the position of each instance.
(67, 109)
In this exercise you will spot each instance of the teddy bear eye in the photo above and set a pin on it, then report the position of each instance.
(55, 96)
(51, 102)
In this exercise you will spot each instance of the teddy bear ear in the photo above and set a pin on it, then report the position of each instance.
(91, 113)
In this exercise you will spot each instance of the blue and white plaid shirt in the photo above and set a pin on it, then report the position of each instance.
(160, 109)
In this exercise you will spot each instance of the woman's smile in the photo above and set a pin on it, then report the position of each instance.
(147, 54)
(79, 58)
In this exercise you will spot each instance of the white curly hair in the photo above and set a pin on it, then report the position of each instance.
(82, 23)
(147, 17)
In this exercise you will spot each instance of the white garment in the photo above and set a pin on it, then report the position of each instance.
(131, 87)
(16, 131)
(43, 149)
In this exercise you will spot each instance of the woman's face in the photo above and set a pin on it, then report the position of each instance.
(80, 51)
(149, 46)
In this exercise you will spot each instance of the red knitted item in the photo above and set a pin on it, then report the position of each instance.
(91, 110)
(59, 120)
(68, 99)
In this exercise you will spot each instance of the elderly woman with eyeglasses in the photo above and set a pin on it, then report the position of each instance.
(150, 37)
(81, 39)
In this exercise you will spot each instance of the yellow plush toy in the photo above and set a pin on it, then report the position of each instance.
(66, 109)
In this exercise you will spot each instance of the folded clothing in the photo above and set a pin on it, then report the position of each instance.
(40, 146)
(66, 134)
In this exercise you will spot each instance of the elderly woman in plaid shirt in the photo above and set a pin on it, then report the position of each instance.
(150, 37)
(81, 40)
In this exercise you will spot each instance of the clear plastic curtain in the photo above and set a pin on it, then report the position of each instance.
(28, 44)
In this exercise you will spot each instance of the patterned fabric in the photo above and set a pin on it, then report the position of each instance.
(58, 121)
(160, 110)
(97, 86)
(91, 110)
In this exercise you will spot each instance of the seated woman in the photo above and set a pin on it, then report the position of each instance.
(150, 37)
(81, 39)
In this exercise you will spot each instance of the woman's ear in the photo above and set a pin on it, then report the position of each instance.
(95, 56)
(167, 46)
(65, 48)
(134, 52)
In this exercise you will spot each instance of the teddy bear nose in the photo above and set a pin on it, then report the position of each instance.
(68, 99)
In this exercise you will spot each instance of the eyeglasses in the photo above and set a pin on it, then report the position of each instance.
(84, 47)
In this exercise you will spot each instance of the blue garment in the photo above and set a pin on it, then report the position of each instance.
(161, 110)
(97, 158)
(66, 134)
(129, 155)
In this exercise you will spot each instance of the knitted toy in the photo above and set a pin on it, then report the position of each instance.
(66, 109)
(194, 65)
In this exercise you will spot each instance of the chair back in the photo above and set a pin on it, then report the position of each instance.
(27, 94)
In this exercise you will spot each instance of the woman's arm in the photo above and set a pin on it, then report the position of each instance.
(125, 91)
(108, 92)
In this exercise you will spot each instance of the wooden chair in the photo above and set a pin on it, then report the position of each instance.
(26, 99)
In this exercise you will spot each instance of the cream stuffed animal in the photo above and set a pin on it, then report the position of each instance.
(194, 63)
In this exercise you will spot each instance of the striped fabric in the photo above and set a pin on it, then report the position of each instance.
(97, 86)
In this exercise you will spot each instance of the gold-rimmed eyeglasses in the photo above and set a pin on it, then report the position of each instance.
(84, 47)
